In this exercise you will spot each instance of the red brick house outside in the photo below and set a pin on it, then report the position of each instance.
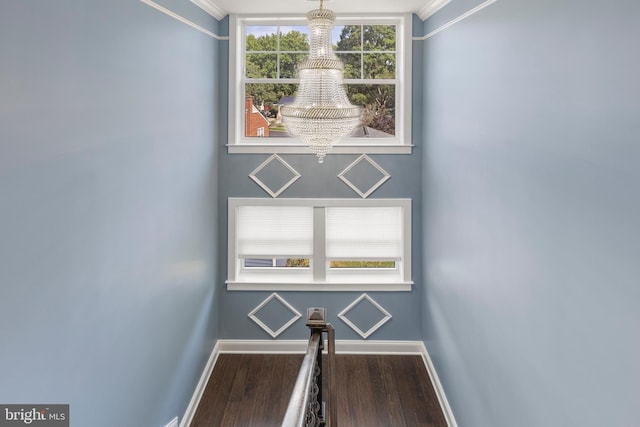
(255, 124)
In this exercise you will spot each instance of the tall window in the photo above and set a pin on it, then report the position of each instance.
(376, 52)
(319, 244)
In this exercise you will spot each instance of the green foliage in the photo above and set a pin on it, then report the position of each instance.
(376, 61)
(368, 52)
(297, 262)
(269, 93)
(265, 65)
(378, 104)
(293, 45)
(294, 41)
(362, 264)
(350, 38)
(379, 37)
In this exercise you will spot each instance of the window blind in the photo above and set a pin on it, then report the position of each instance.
(273, 231)
(357, 233)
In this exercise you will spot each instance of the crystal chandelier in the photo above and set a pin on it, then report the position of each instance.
(321, 114)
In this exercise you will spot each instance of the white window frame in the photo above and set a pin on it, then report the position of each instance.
(399, 144)
(314, 278)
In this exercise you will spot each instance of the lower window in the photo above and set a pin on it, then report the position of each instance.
(319, 244)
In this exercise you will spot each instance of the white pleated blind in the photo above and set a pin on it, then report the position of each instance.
(272, 231)
(373, 233)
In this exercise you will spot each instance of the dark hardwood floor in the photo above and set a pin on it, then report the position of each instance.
(253, 390)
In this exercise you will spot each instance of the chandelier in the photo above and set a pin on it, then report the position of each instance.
(321, 114)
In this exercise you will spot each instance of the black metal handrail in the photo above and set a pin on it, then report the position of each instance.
(306, 406)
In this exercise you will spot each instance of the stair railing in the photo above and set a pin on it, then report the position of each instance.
(306, 406)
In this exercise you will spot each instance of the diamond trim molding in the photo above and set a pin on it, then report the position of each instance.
(374, 187)
(254, 315)
(364, 334)
(265, 187)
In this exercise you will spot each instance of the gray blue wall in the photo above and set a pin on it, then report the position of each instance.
(114, 180)
(321, 180)
(531, 217)
(108, 208)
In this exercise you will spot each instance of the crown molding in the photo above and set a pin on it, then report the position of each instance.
(211, 8)
(431, 7)
(183, 19)
(456, 20)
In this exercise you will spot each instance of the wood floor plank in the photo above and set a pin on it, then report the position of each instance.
(253, 390)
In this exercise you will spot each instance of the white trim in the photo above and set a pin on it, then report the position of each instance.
(303, 149)
(456, 20)
(371, 281)
(374, 187)
(300, 347)
(320, 287)
(211, 8)
(437, 386)
(400, 143)
(386, 316)
(172, 423)
(431, 7)
(200, 387)
(253, 315)
(264, 186)
(183, 20)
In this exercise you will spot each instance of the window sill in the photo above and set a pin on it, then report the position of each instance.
(320, 287)
(302, 149)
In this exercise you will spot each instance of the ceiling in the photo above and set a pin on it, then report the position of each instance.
(280, 7)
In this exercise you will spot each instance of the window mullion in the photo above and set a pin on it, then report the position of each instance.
(278, 51)
(319, 245)
(362, 51)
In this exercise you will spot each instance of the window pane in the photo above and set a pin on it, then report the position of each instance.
(379, 37)
(272, 52)
(288, 62)
(294, 38)
(362, 264)
(378, 103)
(265, 99)
(262, 65)
(276, 262)
(348, 38)
(379, 65)
(297, 262)
(262, 38)
(352, 65)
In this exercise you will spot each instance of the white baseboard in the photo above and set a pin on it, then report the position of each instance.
(202, 385)
(300, 346)
(437, 386)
